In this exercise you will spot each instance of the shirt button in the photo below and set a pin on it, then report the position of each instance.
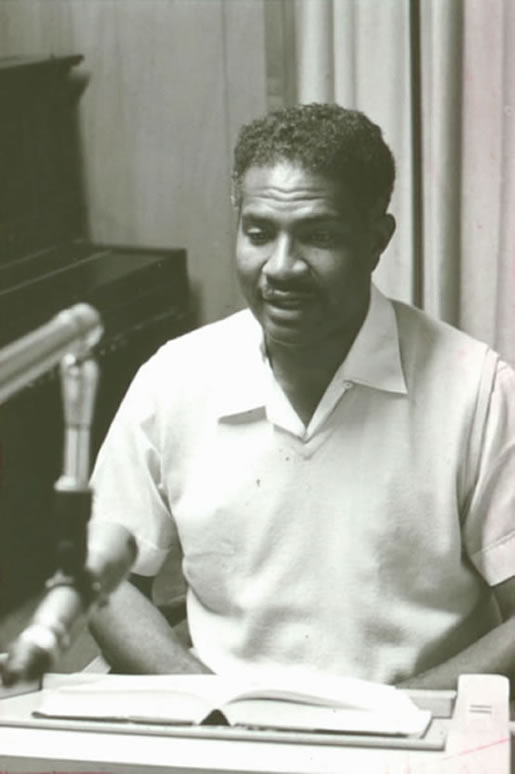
(347, 385)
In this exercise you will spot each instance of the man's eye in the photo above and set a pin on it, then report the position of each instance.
(321, 238)
(257, 236)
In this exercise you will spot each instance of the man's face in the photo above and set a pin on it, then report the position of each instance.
(304, 255)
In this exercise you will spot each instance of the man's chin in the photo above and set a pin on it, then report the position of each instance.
(287, 327)
(290, 336)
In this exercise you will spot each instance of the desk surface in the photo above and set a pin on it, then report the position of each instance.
(478, 745)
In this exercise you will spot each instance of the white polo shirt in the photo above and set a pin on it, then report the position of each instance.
(361, 545)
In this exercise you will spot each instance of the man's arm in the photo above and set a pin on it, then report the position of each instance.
(492, 653)
(136, 639)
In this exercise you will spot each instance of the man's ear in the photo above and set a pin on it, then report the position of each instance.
(383, 228)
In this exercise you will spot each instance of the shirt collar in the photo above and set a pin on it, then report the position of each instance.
(374, 360)
(242, 386)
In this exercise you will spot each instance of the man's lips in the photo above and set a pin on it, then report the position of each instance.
(286, 299)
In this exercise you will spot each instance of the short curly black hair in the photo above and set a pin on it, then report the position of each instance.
(341, 144)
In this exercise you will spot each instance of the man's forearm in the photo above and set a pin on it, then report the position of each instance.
(136, 639)
(493, 653)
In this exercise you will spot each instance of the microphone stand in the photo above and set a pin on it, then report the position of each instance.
(79, 381)
(83, 578)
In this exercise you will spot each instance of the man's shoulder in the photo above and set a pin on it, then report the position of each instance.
(201, 362)
(431, 335)
(209, 352)
(213, 340)
(439, 356)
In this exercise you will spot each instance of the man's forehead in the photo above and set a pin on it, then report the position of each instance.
(288, 182)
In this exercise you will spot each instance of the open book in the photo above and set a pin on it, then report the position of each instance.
(280, 702)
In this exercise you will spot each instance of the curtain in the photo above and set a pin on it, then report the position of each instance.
(439, 77)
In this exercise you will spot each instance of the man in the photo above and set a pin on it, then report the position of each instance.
(336, 468)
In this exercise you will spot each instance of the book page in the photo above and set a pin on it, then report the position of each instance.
(139, 698)
(171, 707)
(308, 717)
(308, 687)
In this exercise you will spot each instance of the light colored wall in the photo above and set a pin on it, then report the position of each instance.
(171, 81)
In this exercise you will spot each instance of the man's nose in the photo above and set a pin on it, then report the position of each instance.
(284, 260)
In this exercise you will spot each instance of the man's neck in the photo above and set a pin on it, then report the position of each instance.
(304, 373)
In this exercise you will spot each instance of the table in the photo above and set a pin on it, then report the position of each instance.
(477, 742)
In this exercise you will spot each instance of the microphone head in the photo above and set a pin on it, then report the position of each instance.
(84, 322)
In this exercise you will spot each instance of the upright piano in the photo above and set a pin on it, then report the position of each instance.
(47, 263)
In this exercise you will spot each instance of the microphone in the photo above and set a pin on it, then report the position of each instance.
(69, 601)
(73, 331)
(89, 567)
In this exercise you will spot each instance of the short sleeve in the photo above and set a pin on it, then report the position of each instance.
(489, 527)
(126, 480)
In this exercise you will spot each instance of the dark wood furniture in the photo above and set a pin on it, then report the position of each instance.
(47, 263)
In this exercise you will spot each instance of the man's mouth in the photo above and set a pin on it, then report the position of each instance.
(286, 299)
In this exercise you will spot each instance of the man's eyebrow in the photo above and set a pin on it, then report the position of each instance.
(258, 217)
(328, 217)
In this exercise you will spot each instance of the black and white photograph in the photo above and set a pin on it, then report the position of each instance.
(257, 386)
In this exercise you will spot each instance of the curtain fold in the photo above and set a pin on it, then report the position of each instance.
(439, 77)
(488, 151)
(440, 127)
(505, 298)
(314, 45)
